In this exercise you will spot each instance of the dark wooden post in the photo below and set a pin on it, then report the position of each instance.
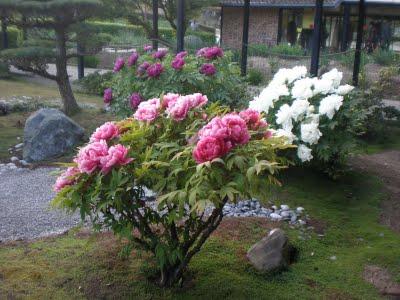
(155, 25)
(346, 24)
(360, 29)
(24, 29)
(316, 38)
(81, 61)
(245, 40)
(180, 32)
(4, 32)
(280, 19)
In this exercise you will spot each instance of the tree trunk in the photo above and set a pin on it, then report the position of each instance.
(70, 106)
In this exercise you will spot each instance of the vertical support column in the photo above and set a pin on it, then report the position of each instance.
(4, 33)
(345, 29)
(245, 40)
(180, 32)
(155, 25)
(24, 29)
(280, 20)
(316, 38)
(81, 61)
(360, 28)
(221, 25)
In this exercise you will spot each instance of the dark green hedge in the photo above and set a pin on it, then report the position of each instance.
(14, 36)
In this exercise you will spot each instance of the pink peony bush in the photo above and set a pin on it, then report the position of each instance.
(191, 154)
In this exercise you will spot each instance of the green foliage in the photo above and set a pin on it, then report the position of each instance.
(255, 77)
(4, 70)
(163, 162)
(226, 86)
(278, 50)
(14, 37)
(385, 57)
(96, 83)
(91, 61)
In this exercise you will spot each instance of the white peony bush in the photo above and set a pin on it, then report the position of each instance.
(317, 114)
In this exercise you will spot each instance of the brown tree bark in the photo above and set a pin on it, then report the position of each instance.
(70, 106)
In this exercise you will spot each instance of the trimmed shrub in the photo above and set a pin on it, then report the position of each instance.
(14, 38)
(255, 77)
(95, 83)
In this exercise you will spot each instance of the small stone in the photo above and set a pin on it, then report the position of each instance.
(285, 214)
(299, 210)
(293, 218)
(301, 222)
(333, 258)
(275, 216)
(14, 159)
(284, 207)
(20, 145)
(274, 207)
(381, 234)
(18, 138)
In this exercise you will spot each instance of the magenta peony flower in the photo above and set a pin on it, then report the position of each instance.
(198, 100)
(160, 54)
(178, 63)
(135, 100)
(179, 110)
(89, 157)
(253, 119)
(214, 128)
(181, 54)
(208, 69)
(169, 100)
(213, 52)
(66, 179)
(237, 128)
(143, 67)
(201, 52)
(209, 148)
(106, 132)
(148, 111)
(117, 156)
(108, 96)
(119, 64)
(133, 59)
(155, 70)
(147, 48)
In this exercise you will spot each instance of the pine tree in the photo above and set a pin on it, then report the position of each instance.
(58, 26)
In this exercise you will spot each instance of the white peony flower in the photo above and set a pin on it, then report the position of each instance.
(344, 89)
(284, 117)
(314, 118)
(330, 104)
(310, 133)
(299, 107)
(268, 96)
(289, 75)
(290, 137)
(322, 86)
(311, 109)
(302, 89)
(304, 153)
(335, 76)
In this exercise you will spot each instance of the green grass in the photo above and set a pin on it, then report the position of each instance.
(389, 141)
(87, 266)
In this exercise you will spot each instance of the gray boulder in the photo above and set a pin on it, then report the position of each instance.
(271, 253)
(49, 133)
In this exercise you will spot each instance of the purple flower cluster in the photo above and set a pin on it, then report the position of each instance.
(143, 67)
(108, 96)
(135, 100)
(160, 54)
(208, 69)
(155, 70)
(119, 64)
(210, 52)
(147, 48)
(132, 60)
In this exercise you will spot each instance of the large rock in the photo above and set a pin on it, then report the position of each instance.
(272, 252)
(49, 133)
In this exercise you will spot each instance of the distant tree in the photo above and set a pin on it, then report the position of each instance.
(58, 26)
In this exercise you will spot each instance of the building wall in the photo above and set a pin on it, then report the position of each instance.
(263, 27)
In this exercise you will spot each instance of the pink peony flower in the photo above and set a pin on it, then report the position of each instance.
(209, 148)
(143, 67)
(133, 59)
(179, 110)
(119, 64)
(160, 54)
(108, 96)
(169, 100)
(267, 134)
(237, 129)
(147, 48)
(106, 132)
(117, 156)
(213, 52)
(155, 70)
(135, 100)
(148, 111)
(253, 119)
(178, 63)
(201, 52)
(208, 69)
(214, 128)
(198, 100)
(89, 157)
(66, 179)
(181, 54)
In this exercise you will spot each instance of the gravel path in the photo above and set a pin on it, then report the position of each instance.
(24, 200)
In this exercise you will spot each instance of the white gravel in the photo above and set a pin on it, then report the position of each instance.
(25, 211)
